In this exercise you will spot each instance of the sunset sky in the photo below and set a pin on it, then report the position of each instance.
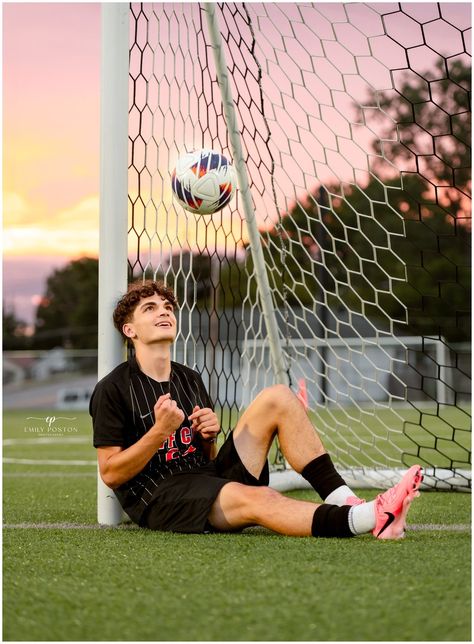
(51, 68)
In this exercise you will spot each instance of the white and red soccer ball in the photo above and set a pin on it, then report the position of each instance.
(203, 181)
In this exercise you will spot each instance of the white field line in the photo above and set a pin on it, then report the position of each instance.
(426, 527)
(435, 527)
(67, 526)
(49, 461)
(47, 440)
(30, 475)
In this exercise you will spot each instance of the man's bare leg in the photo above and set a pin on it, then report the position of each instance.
(238, 506)
(276, 410)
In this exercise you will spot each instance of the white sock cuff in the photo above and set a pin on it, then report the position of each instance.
(339, 495)
(362, 518)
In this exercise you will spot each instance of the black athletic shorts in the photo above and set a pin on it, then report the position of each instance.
(182, 502)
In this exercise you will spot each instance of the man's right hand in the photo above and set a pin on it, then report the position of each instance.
(168, 416)
(118, 465)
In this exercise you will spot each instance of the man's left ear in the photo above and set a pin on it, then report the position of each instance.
(128, 331)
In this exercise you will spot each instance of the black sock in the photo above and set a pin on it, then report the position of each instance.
(331, 521)
(322, 475)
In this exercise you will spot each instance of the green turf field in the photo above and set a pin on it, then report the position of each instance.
(67, 579)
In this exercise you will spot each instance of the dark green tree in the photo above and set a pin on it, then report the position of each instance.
(14, 331)
(433, 117)
(397, 248)
(67, 315)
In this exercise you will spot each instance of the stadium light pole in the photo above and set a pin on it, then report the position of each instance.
(261, 276)
(113, 206)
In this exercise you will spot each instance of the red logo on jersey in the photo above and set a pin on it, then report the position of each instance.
(186, 438)
(170, 446)
(186, 435)
(172, 451)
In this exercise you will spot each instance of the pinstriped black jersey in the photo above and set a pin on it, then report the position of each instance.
(122, 412)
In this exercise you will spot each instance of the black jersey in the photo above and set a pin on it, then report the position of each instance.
(121, 407)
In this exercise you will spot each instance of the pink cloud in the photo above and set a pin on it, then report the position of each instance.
(51, 101)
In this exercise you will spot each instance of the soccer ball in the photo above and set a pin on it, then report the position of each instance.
(203, 181)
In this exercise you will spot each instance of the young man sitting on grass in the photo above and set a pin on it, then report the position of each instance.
(155, 432)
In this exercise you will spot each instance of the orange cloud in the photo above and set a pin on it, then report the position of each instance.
(73, 231)
(51, 129)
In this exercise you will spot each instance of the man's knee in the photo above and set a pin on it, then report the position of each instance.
(246, 496)
(257, 499)
(277, 397)
(239, 505)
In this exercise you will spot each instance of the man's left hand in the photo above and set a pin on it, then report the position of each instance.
(204, 421)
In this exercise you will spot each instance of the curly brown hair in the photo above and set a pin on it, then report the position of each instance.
(136, 292)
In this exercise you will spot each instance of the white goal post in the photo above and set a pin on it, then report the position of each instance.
(113, 207)
(342, 265)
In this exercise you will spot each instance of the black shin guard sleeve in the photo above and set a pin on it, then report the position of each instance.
(322, 475)
(331, 521)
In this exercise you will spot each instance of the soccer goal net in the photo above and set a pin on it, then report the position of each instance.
(354, 126)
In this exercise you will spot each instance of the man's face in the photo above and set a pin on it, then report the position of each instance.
(152, 321)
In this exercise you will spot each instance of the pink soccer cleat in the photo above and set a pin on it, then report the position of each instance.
(391, 507)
